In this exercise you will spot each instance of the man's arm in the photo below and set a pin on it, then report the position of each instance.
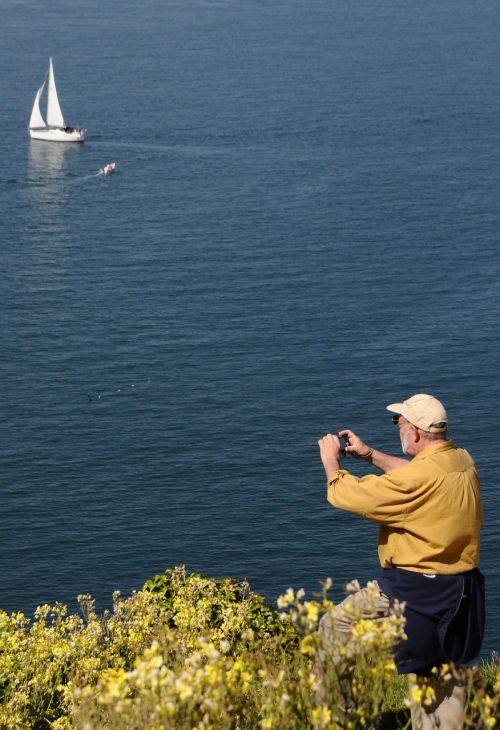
(329, 449)
(380, 460)
(385, 462)
(379, 498)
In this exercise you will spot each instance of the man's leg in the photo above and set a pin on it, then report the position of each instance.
(335, 627)
(446, 711)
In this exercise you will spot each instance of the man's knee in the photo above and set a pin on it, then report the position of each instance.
(335, 627)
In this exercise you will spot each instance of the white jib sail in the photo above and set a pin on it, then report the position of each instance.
(54, 113)
(36, 119)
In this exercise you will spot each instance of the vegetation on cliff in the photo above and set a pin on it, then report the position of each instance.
(189, 651)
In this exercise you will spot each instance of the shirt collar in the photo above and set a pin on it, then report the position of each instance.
(434, 449)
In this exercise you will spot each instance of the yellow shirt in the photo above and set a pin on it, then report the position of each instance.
(429, 510)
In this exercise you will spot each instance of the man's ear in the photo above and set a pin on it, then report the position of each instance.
(417, 434)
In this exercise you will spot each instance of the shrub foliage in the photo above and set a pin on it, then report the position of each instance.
(189, 651)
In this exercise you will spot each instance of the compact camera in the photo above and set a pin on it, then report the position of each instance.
(344, 441)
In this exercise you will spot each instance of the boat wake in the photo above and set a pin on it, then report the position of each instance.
(104, 171)
(74, 179)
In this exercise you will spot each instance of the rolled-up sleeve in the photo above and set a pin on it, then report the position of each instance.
(381, 499)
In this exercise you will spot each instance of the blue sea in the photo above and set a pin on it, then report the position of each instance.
(303, 227)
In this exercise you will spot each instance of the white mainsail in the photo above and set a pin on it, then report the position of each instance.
(36, 119)
(54, 113)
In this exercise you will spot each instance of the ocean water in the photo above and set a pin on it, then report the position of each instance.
(303, 228)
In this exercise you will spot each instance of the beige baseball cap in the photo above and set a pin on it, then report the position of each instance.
(423, 411)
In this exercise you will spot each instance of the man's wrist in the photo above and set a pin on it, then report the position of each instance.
(332, 468)
(368, 455)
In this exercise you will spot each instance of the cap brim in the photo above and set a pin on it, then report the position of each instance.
(397, 408)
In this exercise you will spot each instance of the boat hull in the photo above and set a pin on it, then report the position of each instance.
(58, 134)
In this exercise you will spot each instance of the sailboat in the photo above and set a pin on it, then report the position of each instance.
(55, 128)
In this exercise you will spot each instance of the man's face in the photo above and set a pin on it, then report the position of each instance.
(405, 435)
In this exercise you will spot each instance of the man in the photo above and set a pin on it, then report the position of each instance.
(429, 512)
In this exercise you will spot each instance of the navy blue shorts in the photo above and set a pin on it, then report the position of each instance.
(445, 617)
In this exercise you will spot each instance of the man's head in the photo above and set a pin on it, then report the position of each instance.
(422, 419)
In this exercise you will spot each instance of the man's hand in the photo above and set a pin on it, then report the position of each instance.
(355, 446)
(329, 449)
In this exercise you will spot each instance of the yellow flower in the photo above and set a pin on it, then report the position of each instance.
(308, 645)
(238, 665)
(429, 695)
(321, 715)
(267, 723)
(364, 628)
(286, 599)
(312, 610)
(185, 691)
(416, 693)
(311, 681)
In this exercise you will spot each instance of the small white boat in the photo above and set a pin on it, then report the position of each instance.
(110, 167)
(55, 128)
